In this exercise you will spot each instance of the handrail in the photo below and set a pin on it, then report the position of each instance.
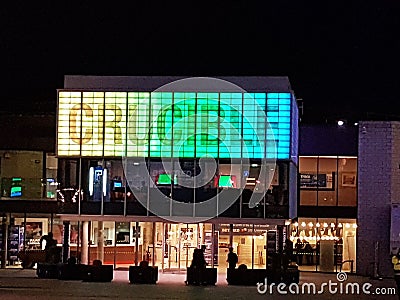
(351, 261)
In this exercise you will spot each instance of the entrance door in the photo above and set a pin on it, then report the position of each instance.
(180, 241)
(251, 248)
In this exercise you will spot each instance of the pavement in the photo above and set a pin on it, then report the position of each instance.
(24, 284)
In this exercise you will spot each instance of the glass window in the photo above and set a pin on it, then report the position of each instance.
(347, 187)
(332, 179)
(160, 190)
(327, 171)
(138, 125)
(92, 126)
(308, 170)
(114, 120)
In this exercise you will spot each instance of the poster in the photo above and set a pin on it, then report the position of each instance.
(33, 233)
(314, 181)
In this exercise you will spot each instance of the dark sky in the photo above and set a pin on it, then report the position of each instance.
(341, 58)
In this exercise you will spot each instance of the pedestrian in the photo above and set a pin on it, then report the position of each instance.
(299, 251)
(232, 259)
(288, 249)
(309, 252)
(396, 269)
(50, 247)
(199, 265)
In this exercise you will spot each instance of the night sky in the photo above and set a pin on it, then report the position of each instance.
(342, 58)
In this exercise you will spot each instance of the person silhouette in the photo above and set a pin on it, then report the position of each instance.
(299, 251)
(50, 247)
(232, 259)
(199, 265)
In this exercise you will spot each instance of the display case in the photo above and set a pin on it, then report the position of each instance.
(271, 246)
(208, 253)
(15, 243)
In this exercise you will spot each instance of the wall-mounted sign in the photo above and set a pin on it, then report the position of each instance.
(166, 124)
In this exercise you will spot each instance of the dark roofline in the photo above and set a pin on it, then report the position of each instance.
(151, 83)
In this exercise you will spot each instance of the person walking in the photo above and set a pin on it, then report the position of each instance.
(232, 259)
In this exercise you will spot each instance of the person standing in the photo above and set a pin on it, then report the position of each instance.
(396, 270)
(232, 259)
(299, 251)
(50, 247)
(288, 250)
(199, 265)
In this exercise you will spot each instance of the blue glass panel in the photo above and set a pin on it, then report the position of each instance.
(283, 126)
(273, 101)
(284, 137)
(273, 119)
(284, 95)
(273, 95)
(284, 113)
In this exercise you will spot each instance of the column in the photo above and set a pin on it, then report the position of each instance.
(3, 249)
(280, 238)
(100, 241)
(65, 250)
(137, 243)
(85, 243)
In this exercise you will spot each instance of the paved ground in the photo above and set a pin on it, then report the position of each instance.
(23, 284)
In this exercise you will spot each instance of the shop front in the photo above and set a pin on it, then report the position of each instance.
(170, 246)
(21, 234)
(324, 244)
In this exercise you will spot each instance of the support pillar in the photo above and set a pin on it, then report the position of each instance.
(230, 235)
(85, 243)
(280, 238)
(137, 243)
(65, 249)
(3, 250)
(100, 241)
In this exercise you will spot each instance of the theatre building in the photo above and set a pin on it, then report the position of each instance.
(150, 171)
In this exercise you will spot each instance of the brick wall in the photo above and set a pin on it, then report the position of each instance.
(378, 171)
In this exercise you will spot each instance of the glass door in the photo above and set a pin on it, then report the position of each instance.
(180, 241)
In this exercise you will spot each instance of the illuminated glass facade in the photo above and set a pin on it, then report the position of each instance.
(178, 125)
(177, 135)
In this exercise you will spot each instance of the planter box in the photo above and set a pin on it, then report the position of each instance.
(144, 275)
(253, 276)
(72, 272)
(195, 276)
(46, 270)
(246, 277)
(103, 273)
